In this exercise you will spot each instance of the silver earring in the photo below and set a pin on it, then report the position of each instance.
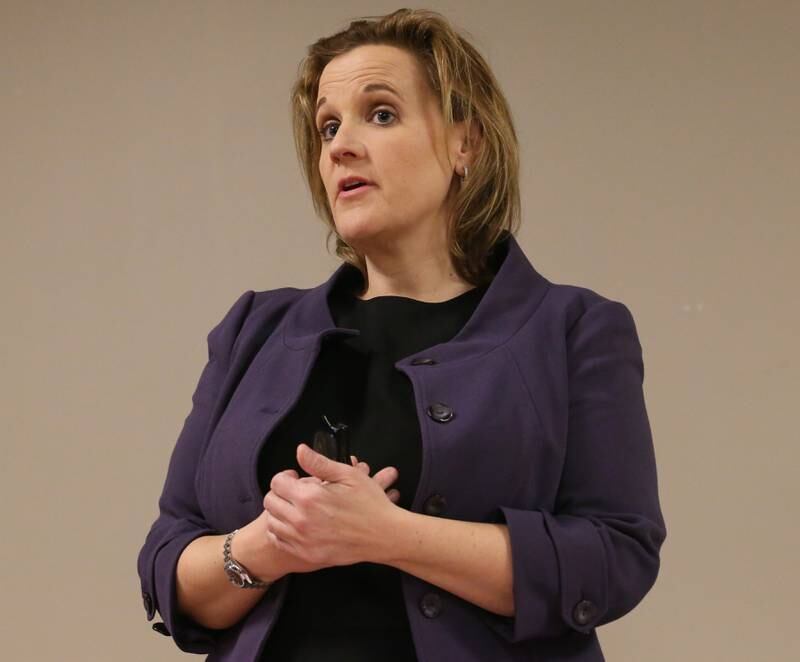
(466, 172)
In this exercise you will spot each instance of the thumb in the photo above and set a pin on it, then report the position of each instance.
(316, 464)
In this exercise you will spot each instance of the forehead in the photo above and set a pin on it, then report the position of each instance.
(372, 63)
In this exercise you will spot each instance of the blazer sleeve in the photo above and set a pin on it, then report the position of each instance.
(180, 519)
(594, 557)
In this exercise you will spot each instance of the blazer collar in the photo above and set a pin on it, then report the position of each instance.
(510, 299)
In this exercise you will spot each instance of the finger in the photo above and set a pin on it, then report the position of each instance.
(278, 508)
(283, 531)
(359, 465)
(274, 539)
(394, 495)
(317, 464)
(386, 476)
(284, 484)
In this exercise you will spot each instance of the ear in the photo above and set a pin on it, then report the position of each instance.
(474, 137)
(466, 143)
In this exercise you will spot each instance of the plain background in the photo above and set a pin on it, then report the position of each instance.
(148, 178)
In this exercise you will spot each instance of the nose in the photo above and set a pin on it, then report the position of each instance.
(345, 145)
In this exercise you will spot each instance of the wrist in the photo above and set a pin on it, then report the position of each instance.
(239, 574)
(244, 548)
(252, 548)
(389, 547)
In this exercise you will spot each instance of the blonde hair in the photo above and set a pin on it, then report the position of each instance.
(487, 203)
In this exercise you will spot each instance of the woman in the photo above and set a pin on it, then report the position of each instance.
(514, 505)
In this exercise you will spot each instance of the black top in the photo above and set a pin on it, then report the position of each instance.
(352, 612)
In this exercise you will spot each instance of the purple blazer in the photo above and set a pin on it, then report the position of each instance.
(548, 434)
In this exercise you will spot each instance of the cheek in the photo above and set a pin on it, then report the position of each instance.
(407, 170)
(325, 176)
(424, 180)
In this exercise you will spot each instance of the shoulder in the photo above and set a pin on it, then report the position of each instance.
(251, 312)
(275, 299)
(569, 315)
(573, 305)
(595, 327)
(577, 330)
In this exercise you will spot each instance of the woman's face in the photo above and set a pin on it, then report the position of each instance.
(397, 141)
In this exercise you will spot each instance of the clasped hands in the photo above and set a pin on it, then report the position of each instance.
(338, 515)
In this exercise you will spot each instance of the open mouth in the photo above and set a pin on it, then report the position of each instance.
(354, 189)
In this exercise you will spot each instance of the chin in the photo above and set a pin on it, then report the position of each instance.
(355, 230)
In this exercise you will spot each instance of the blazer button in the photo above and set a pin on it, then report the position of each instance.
(423, 360)
(435, 505)
(161, 629)
(440, 412)
(584, 612)
(431, 605)
(149, 607)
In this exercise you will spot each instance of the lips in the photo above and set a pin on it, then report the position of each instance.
(348, 185)
(355, 191)
(349, 181)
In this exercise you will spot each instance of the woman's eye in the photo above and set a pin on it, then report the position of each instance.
(388, 112)
(323, 132)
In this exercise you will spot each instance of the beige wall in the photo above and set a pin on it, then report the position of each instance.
(147, 178)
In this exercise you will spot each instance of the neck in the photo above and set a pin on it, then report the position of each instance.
(420, 269)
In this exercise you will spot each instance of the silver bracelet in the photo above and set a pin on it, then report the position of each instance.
(237, 573)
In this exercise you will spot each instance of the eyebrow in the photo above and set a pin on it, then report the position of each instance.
(371, 87)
